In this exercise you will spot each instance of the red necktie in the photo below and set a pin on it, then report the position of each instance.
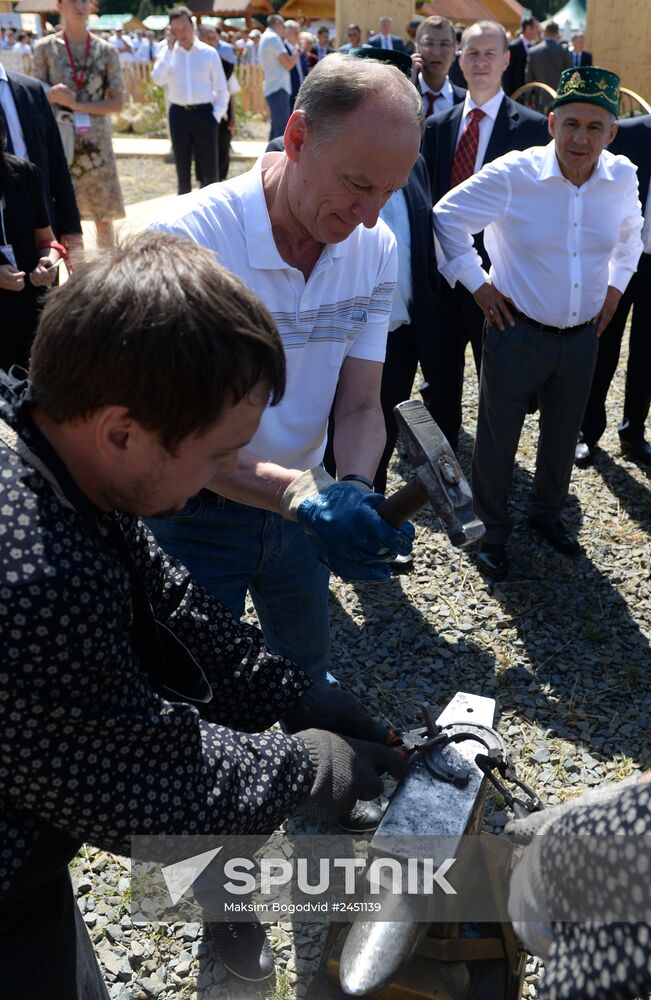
(463, 165)
(431, 100)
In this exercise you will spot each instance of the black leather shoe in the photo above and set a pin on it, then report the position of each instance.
(557, 535)
(639, 449)
(243, 948)
(364, 817)
(401, 565)
(492, 560)
(583, 455)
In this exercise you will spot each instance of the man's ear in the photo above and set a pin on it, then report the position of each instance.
(551, 124)
(295, 135)
(614, 129)
(114, 431)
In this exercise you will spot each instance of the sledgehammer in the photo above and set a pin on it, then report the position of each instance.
(439, 480)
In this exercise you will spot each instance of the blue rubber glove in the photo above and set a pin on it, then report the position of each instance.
(354, 541)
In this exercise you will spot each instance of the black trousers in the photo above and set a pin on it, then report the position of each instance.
(45, 950)
(194, 131)
(223, 148)
(638, 372)
(462, 323)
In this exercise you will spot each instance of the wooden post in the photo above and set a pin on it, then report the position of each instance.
(618, 33)
(366, 13)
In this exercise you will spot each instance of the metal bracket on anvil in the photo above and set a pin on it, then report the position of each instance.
(430, 739)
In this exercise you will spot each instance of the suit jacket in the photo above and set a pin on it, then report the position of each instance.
(585, 58)
(455, 75)
(45, 150)
(513, 76)
(633, 139)
(315, 51)
(294, 78)
(546, 61)
(398, 43)
(425, 278)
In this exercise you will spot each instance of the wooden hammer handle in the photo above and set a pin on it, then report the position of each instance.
(404, 503)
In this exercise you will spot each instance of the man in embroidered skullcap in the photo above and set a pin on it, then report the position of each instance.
(562, 229)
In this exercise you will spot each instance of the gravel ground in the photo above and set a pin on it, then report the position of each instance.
(562, 646)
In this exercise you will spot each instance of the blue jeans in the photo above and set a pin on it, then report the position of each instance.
(280, 110)
(230, 548)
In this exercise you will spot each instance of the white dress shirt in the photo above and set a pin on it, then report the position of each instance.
(396, 215)
(11, 114)
(490, 109)
(646, 228)
(443, 102)
(554, 247)
(193, 76)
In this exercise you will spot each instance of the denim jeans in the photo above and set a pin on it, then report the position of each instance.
(230, 548)
(280, 110)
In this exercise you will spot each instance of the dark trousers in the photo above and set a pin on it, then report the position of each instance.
(638, 372)
(194, 131)
(517, 363)
(404, 353)
(279, 112)
(45, 950)
(462, 323)
(224, 148)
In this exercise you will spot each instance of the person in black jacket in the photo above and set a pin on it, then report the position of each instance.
(513, 76)
(27, 252)
(35, 137)
(109, 727)
(504, 126)
(633, 139)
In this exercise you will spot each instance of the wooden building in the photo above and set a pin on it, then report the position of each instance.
(618, 33)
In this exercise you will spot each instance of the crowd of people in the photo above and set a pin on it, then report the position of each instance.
(207, 414)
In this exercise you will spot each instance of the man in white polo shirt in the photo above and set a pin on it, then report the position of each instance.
(277, 64)
(301, 229)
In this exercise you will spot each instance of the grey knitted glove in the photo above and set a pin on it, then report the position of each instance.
(347, 770)
(324, 706)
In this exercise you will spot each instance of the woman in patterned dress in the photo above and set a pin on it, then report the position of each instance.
(85, 78)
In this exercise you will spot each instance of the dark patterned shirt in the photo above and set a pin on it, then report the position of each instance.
(88, 745)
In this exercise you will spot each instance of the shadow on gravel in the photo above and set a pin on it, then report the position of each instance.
(634, 498)
(564, 648)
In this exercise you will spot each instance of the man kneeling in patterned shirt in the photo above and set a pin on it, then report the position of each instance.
(150, 370)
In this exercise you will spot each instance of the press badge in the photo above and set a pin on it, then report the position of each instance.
(8, 253)
(82, 122)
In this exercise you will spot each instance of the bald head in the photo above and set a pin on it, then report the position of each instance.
(340, 84)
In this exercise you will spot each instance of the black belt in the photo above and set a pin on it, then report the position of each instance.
(560, 330)
(191, 107)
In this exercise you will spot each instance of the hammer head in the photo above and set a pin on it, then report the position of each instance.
(438, 471)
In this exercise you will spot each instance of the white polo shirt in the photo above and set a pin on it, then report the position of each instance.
(341, 311)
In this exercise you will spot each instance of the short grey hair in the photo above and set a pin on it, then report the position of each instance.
(341, 83)
(275, 19)
(293, 24)
(485, 26)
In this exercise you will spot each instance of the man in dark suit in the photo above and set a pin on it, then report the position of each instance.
(323, 47)
(633, 140)
(35, 136)
(384, 39)
(456, 144)
(436, 43)
(513, 76)
(547, 60)
(298, 72)
(579, 56)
